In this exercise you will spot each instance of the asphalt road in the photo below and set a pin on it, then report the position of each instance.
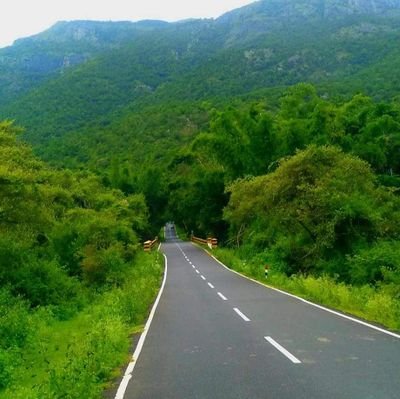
(216, 335)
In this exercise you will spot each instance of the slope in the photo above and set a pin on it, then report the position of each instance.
(32, 61)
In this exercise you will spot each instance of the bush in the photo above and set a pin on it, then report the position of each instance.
(74, 359)
(14, 321)
(378, 262)
(88, 362)
(15, 329)
(104, 266)
(7, 363)
(317, 207)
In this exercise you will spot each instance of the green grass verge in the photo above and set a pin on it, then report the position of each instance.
(77, 358)
(375, 304)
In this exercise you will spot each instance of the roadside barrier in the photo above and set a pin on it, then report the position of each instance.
(211, 242)
(149, 245)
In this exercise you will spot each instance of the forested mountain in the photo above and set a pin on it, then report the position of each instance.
(33, 60)
(265, 45)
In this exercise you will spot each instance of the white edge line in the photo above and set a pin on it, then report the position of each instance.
(128, 373)
(382, 330)
(281, 349)
(222, 296)
(242, 315)
(123, 386)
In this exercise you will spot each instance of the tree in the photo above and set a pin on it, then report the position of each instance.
(318, 206)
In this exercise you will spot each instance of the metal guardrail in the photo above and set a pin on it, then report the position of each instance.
(149, 245)
(211, 242)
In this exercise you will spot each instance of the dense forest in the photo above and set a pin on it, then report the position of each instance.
(313, 184)
(275, 128)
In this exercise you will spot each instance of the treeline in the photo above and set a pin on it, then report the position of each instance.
(310, 187)
(71, 284)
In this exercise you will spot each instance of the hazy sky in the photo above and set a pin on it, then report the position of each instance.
(20, 18)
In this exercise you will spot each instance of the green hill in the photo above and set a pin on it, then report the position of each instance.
(88, 73)
(32, 61)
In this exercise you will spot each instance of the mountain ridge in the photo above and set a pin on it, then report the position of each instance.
(314, 8)
(111, 66)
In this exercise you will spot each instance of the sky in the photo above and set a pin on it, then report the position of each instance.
(21, 18)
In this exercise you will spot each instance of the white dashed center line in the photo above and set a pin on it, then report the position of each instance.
(281, 349)
(203, 278)
(210, 285)
(243, 316)
(222, 296)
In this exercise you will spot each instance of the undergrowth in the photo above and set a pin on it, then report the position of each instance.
(76, 358)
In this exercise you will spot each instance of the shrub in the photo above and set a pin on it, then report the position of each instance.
(317, 206)
(88, 362)
(7, 361)
(378, 262)
(14, 321)
(15, 329)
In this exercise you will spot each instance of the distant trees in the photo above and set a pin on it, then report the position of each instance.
(248, 140)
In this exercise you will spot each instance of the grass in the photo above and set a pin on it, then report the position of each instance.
(79, 357)
(375, 304)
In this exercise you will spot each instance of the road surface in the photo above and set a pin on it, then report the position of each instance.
(216, 335)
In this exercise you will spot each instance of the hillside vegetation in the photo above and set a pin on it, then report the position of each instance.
(269, 44)
(34, 60)
(72, 282)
